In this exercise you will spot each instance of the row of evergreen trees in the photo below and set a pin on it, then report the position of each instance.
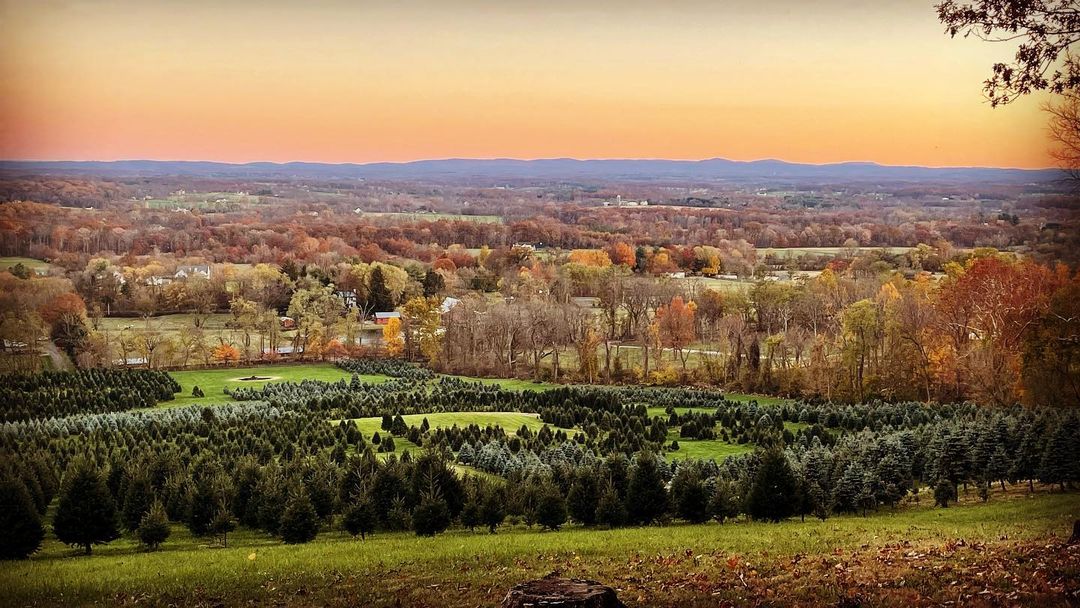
(54, 394)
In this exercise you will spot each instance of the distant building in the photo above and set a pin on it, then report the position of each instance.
(619, 202)
(186, 272)
(348, 298)
(447, 304)
(382, 318)
(287, 322)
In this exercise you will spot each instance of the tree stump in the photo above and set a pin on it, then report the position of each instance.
(1075, 538)
(554, 592)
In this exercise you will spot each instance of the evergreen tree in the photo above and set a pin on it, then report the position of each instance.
(944, 492)
(432, 515)
(689, 496)
(21, 531)
(610, 510)
(470, 512)
(360, 517)
(773, 492)
(646, 495)
(584, 496)
(154, 527)
(137, 501)
(86, 512)
(493, 511)
(433, 283)
(848, 488)
(223, 523)
(379, 298)
(299, 523)
(551, 508)
(724, 502)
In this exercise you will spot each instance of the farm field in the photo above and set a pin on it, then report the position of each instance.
(31, 263)
(434, 217)
(907, 556)
(793, 252)
(214, 381)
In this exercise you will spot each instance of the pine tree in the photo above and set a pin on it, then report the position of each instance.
(21, 531)
(470, 512)
(137, 501)
(724, 502)
(610, 510)
(551, 508)
(86, 513)
(772, 495)
(848, 487)
(223, 523)
(432, 515)
(493, 510)
(299, 523)
(944, 491)
(360, 517)
(646, 495)
(584, 496)
(689, 496)
(154, 527)
(379, 298)
(433, 283)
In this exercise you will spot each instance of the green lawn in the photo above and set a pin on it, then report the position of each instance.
(31, 263)
(512, 384)
(213, 381)
(461, 568)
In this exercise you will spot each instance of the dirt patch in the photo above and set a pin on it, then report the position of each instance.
(255, 378)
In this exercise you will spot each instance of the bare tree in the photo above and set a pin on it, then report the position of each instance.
(1065, 132)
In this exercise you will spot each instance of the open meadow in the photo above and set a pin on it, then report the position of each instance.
(1009, 547)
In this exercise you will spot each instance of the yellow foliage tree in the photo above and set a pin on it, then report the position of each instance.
(392, 338)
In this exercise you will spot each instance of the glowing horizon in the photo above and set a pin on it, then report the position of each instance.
(340, 82)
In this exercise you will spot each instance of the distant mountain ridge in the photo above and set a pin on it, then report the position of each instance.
(548, 169)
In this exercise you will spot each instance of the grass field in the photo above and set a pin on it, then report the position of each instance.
(509, 421)
(679, 565)
(213, 381)
(31, 263)
(434, 217)
(794, 252)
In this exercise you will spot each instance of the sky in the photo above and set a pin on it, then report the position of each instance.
(356, 81)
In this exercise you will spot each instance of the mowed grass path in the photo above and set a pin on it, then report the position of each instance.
(214, 381)
(463, 568)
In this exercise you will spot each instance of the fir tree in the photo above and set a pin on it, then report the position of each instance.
(584, 496)
(689, 496)
(610, 510)
(223, 523)
(299, 523)
(154, 527)
(432, 515)
(724, 502)
(379, 298)
(86, 513)
(550, 508)
(360, 517)
(137, 501)
(493, 511)
(773, 492)
(21, 531)
(646, 495)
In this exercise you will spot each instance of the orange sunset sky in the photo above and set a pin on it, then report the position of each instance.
(357, 81)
